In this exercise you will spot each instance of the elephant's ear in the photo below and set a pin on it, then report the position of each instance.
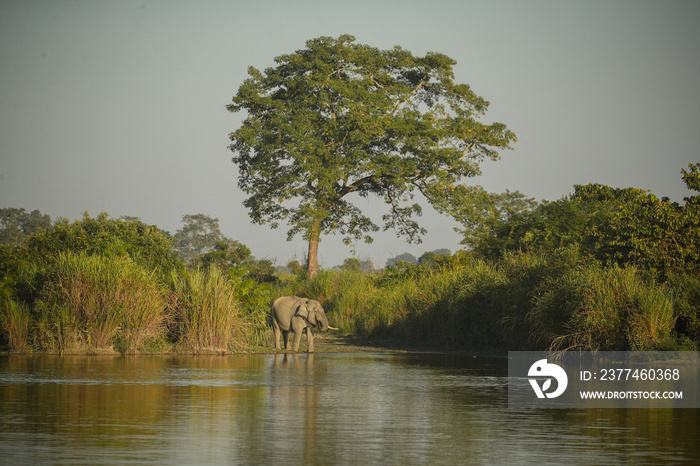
(303, 310)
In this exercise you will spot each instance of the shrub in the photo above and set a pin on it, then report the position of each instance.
(91, 301)
(14, 318)
(613, 309)
(144, 244)
(207, 314)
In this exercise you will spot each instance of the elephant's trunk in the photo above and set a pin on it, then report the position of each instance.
(322, 323)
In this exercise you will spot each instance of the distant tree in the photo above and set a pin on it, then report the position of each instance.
(295, 267)
(367, 266)
(16, 225)
(199, 235)
(225, 254)
(351, 264)
(338, 118)
(492, 213)
(262, 270)
(428, 258)
(405, 257)
(129, 218)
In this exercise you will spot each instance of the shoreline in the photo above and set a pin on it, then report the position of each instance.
(322, 343)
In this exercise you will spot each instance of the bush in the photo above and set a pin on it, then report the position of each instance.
(14, 318)
(144, 244)
(685, 290)
(525, 301)
(97, 302)
(596, 309)
(207, 314)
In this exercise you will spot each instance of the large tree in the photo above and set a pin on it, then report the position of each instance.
(340, 119)
(201, 240)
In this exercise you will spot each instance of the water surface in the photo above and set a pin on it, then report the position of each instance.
(361, 408)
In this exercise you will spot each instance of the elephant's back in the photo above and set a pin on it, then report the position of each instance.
(285, 301)
(283, 309)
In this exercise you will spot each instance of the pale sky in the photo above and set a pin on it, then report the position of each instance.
(118, 106)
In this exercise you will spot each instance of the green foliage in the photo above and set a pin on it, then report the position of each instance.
(430, 258)
(351, 264)
(14, 321)
(406, 257)
(615, 226)
(101, 284)
(254, 298)
(200, 242)
(16, 225)
(144, 244)
(338, 118)
(224, 255)
(494, 220)
(295, 267)
(613, 309)
(525, 301)
(91, 301)
(207, 312)
(691, 178)
(686, 303)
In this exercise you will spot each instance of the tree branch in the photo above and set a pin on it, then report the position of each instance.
(354, 186)
(423, 81)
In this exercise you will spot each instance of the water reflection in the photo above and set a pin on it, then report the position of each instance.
(315, 409)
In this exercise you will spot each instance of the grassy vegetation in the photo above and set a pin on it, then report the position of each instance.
(102, 284)
(534, 281)
(91, 303)
(524, 301)
(562, 300)
(88, 302)
(207, 314)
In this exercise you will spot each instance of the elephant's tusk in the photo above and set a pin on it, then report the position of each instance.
(332, 328)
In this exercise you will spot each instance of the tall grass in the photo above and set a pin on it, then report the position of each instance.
(466, 304)
(207, 313)
(254, 300)
(79, 302)
(605, 309)
(14, 318)
(525, 301)
(96, 302)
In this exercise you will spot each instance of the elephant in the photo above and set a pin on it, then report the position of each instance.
(292, 313)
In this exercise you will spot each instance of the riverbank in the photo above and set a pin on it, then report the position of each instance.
(323, 343)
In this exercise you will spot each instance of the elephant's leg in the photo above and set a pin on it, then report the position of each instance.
(276, 327)
(310, 339)
(297, 338)
(285, 336)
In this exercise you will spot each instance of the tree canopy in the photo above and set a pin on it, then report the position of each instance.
(200, 239)
(144, 244)
(613, 225)
(16, 225)
(338, 119)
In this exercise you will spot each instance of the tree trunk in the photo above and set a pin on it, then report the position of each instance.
(312, 266)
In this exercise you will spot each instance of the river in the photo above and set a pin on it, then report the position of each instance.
(324, 408)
